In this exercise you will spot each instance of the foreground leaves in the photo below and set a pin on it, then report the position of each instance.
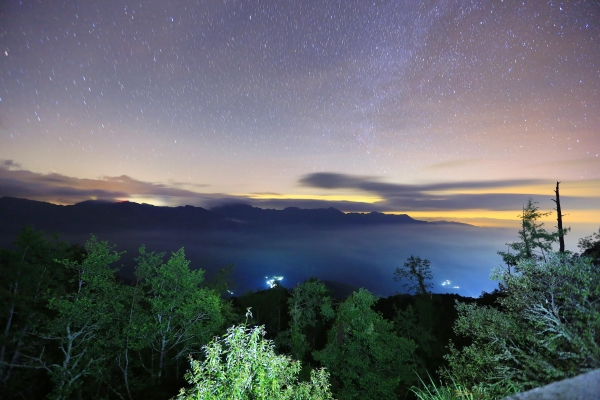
(243, 365)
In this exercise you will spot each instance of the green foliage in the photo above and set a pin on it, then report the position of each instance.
(560, 300)
(535, 241)
(83, 328)
(308, 306)
(72, 325)
(27, 274)
(590, 247)
(418, 328)
(548, 328)
(73, 322)
(455, 391)
(243, 365)
(491, 362)
(91, 335)
(418, 274)
(180, 315)
(365, 356)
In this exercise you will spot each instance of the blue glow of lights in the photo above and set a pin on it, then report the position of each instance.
(272, 281)
(448, 283)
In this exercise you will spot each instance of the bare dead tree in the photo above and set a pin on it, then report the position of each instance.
(559, 215)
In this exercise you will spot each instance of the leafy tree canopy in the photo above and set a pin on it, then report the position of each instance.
(309, 303)
(83, 328)
(364, 354)
(590, 246)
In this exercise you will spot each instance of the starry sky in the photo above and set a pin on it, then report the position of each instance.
(453, 109)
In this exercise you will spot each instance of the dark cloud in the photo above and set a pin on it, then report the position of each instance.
(63, 189)
(329, 180)
(9, 164)
(399, 197)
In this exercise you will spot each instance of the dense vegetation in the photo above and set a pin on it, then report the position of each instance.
(72, 329)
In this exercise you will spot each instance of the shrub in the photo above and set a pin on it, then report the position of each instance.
(243, 365)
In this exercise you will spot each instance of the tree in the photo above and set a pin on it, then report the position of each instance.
(181, 315)
(26, 276)
(547, 329)
(309, 303)
(590, 247)
(417, 272)
(559, 215)
(417, 327)
(535, 241)
(366, 358)
(137, 322)
(269, 308)
(243, 365)
(83, 328)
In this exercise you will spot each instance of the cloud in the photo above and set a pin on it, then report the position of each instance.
(61, 189)
(454, 164)
(57, 188)
(187, 184)
(329, 180)
(404, 197)
(9, 164)
(590, 162)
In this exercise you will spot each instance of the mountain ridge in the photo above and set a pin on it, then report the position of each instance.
(98, 215)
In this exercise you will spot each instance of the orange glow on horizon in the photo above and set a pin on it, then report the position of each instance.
(351, 198)
(490, 218)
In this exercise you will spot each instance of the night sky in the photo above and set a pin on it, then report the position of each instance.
(450, 109)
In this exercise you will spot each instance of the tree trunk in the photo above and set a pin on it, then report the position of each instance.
(561, 236)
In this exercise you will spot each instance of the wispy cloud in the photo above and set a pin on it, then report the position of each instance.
(400, 197)
(455, 164)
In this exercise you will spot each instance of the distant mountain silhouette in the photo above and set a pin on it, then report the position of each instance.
(102, 216)
(318, 216)
(94, 216)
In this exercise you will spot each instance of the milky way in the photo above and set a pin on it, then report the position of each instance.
(241, 97)
(441, 108)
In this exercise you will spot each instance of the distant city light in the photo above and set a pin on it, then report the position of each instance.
(448, 283)
(271, 281)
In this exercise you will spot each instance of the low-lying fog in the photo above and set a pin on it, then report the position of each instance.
(363, 257)
(358, 255)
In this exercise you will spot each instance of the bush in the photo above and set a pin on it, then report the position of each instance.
(243, 365)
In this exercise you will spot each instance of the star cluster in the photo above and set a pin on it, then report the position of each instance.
(248, 96)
